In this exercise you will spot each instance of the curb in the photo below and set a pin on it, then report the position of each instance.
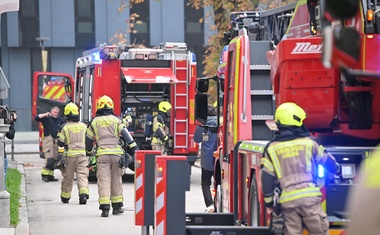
(22, 227)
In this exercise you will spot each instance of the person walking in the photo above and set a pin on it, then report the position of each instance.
(364, 212)
(51, 122)
(10, 135)
(289, 169)
(207, 157)
(72, 137)
(104, 132)
(161, 123)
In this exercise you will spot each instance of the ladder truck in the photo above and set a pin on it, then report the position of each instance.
(137, 79)
(273, 57)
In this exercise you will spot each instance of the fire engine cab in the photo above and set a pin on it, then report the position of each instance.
(137, 79)
(273, 57)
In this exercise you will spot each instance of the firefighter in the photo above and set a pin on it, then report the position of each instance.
(51, 122)
(72, 137)
(160, 140)
(363, 210)
(289, 171)
(104, 132)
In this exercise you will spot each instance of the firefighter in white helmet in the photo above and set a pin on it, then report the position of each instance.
(289, 167)
(72, 137)
(161, 123)
(104, 132)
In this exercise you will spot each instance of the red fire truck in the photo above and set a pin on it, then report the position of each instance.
(274, 57)
(137, 79)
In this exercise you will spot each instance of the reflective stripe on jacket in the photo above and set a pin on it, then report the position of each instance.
(105, 131)
(294, 164)
(73, 136)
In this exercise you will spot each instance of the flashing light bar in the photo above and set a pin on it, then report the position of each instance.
(321, 171)
(96, 57)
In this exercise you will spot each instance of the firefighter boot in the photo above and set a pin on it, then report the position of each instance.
(51, 178)
(45, 178)
(105, 210)
(65, 200)
(117, 208)
(83, 199)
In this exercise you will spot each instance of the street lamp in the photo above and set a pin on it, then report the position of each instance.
(43, 52)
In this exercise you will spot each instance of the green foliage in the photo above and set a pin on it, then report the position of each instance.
(13, 188)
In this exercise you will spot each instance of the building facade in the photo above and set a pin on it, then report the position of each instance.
(66, 28)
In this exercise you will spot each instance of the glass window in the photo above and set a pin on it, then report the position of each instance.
(29, 23)
(140, 31)
(85, 23)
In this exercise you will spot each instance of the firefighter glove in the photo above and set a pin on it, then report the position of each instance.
(277, 225)
(125, 160)
(92, 163)
(60, 163)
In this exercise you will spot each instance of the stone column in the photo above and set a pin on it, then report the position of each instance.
(4, 195)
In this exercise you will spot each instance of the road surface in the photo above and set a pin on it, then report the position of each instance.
(47, 215)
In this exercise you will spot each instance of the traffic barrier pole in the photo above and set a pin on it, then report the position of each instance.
(172, 181)
(144, 188)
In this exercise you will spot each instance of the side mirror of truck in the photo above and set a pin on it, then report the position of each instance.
(341, 47)
(202, 85)
(200, 109)
(341, 9)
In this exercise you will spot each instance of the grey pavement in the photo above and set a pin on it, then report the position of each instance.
(42, 213)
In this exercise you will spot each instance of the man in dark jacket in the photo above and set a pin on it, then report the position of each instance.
(51, 122)
(207, 160)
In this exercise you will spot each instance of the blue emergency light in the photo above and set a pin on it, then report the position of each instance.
(96, 57)
(321, 171)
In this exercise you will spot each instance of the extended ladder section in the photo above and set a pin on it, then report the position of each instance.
(181, 69)
(262, 96)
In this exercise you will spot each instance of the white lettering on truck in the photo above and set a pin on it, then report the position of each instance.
(307, 48)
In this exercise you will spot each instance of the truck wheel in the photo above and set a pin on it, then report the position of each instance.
(219, 198)
(254, 206)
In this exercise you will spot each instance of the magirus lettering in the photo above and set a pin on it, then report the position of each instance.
(307, 48)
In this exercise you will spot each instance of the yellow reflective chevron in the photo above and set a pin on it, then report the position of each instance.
(268, 199)
(83, 191)
(116, 199)
(104, 200)
(300, 193)
(267, 164)
(114, 151)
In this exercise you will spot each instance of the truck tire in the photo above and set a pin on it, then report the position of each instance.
(254, 205)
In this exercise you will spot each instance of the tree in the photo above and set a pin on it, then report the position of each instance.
(221, 17)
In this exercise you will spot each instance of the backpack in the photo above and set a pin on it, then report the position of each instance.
(148, 132)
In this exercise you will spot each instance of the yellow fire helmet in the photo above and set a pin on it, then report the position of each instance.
(164, 106)
(71, 109)
(290, 114)
(105, 102)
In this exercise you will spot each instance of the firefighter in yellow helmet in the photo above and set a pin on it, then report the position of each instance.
(72, 137)
(289, 167)
(104, 132)
(363, 210)
(161, 123)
